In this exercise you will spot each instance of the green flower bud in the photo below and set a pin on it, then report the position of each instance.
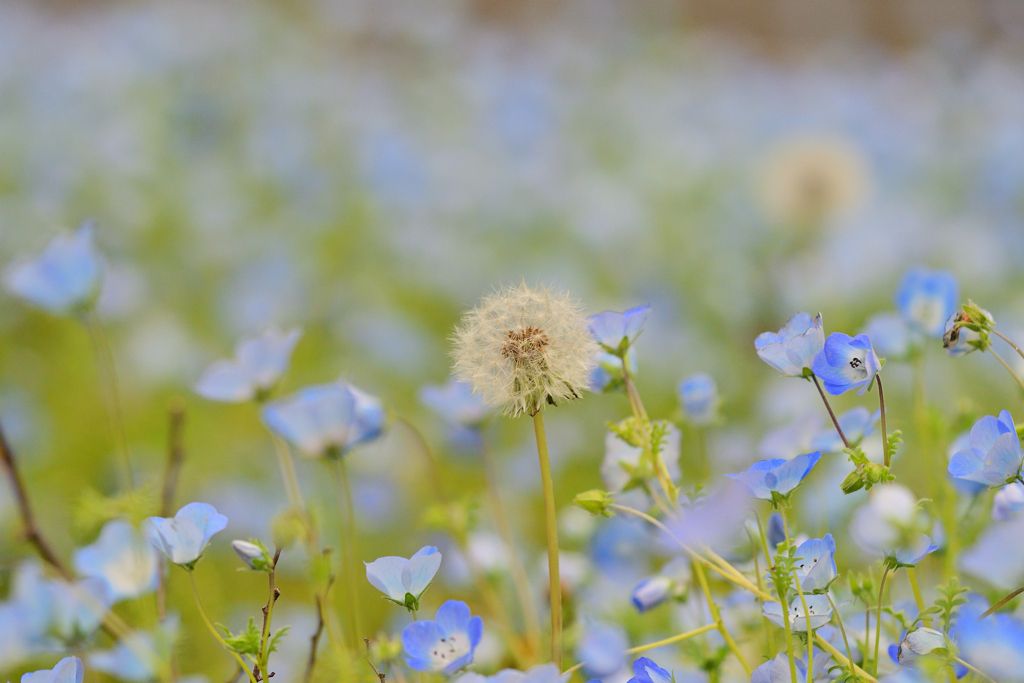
(595, 501)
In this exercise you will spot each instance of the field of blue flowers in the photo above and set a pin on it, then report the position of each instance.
(365, 344)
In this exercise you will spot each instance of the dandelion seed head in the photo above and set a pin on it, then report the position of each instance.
(523, 348)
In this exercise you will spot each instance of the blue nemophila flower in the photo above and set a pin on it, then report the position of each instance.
(856, 423)
(777, 670)
(927, 298)
(920, 642)
(602, 649)
(256, 555)
(123, 558)
(1008, 502)
(65, 278)
(891, 336)
(327, 419)
(184, 537)
(698, 396)
(403, 581)
(616, 332)
(767, 477)
(817, 567)
(654, 590)
(67, 670)
(791, 350)
(775, 530)
(889, 525)
(456, 404)
(257, 367)
(542, 673)
(994, 644)
(969, 488)
(446, 644)
(818, 609)
(646, 671)
(994, 456)
(846, 363)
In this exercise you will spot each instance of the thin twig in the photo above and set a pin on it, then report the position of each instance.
(32, 533)
(370, 661)
(268, 611)
(1002, 602)
(1007, 340)
(315, 640)
(830, 413)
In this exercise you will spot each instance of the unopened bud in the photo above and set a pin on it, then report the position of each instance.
(595, 501)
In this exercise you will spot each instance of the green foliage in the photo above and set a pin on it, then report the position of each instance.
(863, 587)
(276, 638)
(93, 509)
(950, 600)
(894, 442)
(458, 517)
(245, 642)
(866, 473)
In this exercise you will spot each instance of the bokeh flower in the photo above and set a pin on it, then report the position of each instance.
(1008, 502)
(523, 348)
(184, 537)
(767, 477)
(66, 278)
(926, 299)
(123, 558)
(455, 403)
(856, 423)
(602, 648)
(777, 670)
(891, 337)
(326, 419)
(257, 367)
(446, 644)
(542, 673)
(994, 455)
(889, 525)
(846, 363)
(792, 349)
(67, 670)
(698, 396)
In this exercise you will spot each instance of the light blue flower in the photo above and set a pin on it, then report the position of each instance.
(846, 363)
(766, 477)
(792, 349)
(656, 589)
(616, 332)
(404, 580)
(997, 556)
(607, 373)
(65, 278)
(257, 367)
(920, 642)
(184, 537)
(994, 644)
(542, 673)
(646, 671)
(816, 567)
(889, 525)
(776, 530)
(140, 656)
(994, 456)
(446, 644)
(818, 609)
(777, 670)
(325, 419)
(927, 298)
(891, 336)
(77, 609)
(1008, 502)
(67, 670)
(368, 418)
(698, 395)
(456, 404)
(123, 558)
(856, 423)
(968, 488)
(602, 649)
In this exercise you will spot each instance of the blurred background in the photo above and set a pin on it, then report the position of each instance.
(367, 170)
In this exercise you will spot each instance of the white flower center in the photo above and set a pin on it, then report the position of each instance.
(856, 369)
(449, 649)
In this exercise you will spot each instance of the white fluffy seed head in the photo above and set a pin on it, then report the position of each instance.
(523, 348)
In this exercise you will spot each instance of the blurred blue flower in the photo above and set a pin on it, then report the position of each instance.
(698, 395)
(889, 525)
(607, 373)
(67, 670)
(616, 332)
(542, 673)
(123, 558)
(77, 609)
(777, 670)
(651, 592)
(817, 567)
(456, 404)
(327, 419)
(968, 488)
(846, 363)
(184, 537)
(1008, 502)
(994, 456)
(446, 644)
(602, 648)
(776, 530)
(257, 367)
(856, 423)
(767, 477)
(994, 644)
(818, 609)
(646, 671)
(139, 657)
(793, 348)
(404, 580)
(927, 298)
(891, 336)
(65, 278)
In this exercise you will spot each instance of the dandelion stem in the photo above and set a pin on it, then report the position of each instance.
(878, 619)
(803, 603)
(830, 412)
(1007, 340)
(717, 616)
(108, 379)
(213, 630)
(912, 575)
(1002, 602)
(1008, 368)
(349, 548)
(842, 629)
(881, 410)
(551, 525)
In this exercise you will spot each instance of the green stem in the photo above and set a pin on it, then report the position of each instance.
(637, 406)
(878, 619)
(349, 545)
(1002, 602)
(268, 615)
(838, 656)
(975, 670)
(1007, 340)
(842, 629)
(213, 630)
(912, 575)
(551, 528)
(881, 410)
(803, 603)
(716, 615)
(830, 412)
(1008, 368)
(111, 396)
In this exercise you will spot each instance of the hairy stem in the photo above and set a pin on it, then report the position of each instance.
(881, 410)
(1008, 368)
(551, 525)
(1007, 340)
(878, 620)
(831, 414)
(1002, 602)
